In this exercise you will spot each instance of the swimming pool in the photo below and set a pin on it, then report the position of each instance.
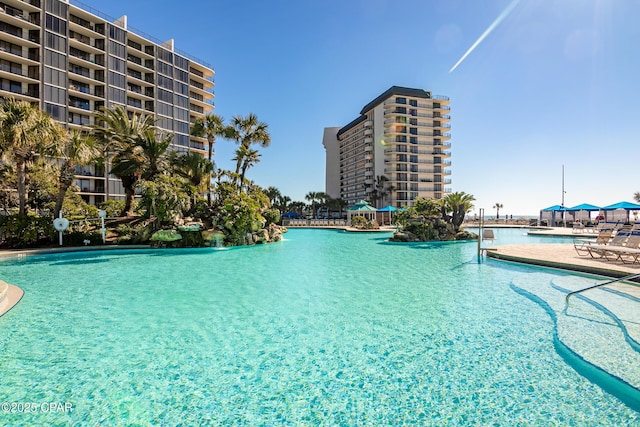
(325, 328)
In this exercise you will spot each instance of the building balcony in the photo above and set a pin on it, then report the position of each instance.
(368, 123)
(19, 93)
(20, 18)
(17, 74)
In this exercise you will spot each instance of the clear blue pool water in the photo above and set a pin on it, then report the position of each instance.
(326, 328)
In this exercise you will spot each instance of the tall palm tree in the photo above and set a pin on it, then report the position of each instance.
(247, 158)
(210, 127)
(247, 131)
(154, 149)
(312, 197)
(382, 189)
(497, 207)
(25, 132)
(282, 203)
(120, 136)
(194, 168)
(457, 204)
(76, 149)
(273, 194)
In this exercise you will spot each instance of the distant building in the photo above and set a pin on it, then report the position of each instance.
(70, 60)
(403, 135)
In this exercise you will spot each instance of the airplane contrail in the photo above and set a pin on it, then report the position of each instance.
(488, 31)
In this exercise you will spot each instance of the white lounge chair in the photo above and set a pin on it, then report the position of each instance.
(583, 246)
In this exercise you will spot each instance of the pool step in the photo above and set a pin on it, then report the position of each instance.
(621, 301)
(592, 335)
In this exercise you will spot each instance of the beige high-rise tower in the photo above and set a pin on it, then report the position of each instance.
(394, 152)
(70, 60)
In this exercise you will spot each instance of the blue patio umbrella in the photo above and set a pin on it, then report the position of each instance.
(553, 209)
(584, 207)
(623, 205)
(290, 215)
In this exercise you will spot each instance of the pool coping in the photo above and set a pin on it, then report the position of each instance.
(561, 256)
(10, 295)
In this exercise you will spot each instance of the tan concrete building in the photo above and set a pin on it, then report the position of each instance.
(402, 135)
(70, 60)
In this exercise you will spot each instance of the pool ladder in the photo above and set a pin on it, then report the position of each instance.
(608, 282)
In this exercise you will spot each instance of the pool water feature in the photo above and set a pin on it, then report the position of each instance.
(325, 328)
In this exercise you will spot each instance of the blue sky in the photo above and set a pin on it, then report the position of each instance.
(556, 83)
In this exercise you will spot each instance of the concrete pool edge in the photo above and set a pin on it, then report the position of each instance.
(10, 295)
(561, 256)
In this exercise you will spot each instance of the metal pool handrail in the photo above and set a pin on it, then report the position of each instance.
(608, 282)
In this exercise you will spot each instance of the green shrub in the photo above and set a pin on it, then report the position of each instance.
(358, 221)
(21, 231)
(272, 216)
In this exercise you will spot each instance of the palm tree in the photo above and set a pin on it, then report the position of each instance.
(297, 207)
(312, 198)
(154, 150)
(273, 194)
(382, 189)
(210, 126)
(497, 207)
(636, 196)
(25, 132)
(120, 136)
(246, 131)
(458, 204)
(283, 203)
(247, 158)
(76, 149)
(194, 168)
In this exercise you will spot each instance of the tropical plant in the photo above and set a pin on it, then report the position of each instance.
(381, 190)
(25, 133)
(313, 197)
(154, 150)
(273, 194)
(497, 207)
(455, 206)
(247, 131)
(194, 169)
(636, 197)
(164, 198)
(247, 158)
(210, 127)
(120, 136)
(76, 149)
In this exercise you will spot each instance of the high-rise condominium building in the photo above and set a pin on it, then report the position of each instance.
(395, 151)
(70, 60)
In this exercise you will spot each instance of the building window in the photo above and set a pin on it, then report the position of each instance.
(117, 49)
(56, 42)
(400, 100)
(57, 8)
(55, 95)
(58, 112)
(117, 34)
(56, 25)
(164, 95)
(117, 80)
(165, 69)
(181, 62)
